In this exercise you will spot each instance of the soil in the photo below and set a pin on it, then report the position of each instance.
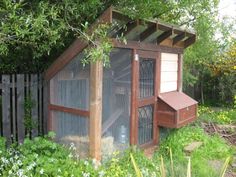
(228, 132)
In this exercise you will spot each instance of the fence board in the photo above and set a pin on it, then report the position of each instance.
(14, 89)
(14, 107)
(45, 105)
(34, 97)
(20, 108)
(6, 108)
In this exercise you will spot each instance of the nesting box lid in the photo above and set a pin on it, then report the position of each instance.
(177, 100)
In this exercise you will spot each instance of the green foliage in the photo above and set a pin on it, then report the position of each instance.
(101, 45)
(42, 157)
(213, 148)
(219, 115)
(28, 120)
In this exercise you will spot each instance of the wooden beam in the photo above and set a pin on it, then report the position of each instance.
(95, 119)
(69, 110)
(189, 41)
(164, 36)
(179, 38)
(77, 46)
(129, 27)
(119, 16)
(147, 46)
(148, 32)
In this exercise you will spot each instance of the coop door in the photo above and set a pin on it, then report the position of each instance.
(147, 96)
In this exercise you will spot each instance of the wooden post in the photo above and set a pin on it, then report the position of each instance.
(95, 119)
(134, 96)
(180, 71)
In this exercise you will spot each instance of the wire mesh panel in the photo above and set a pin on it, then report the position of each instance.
(116, 102)
(71, 128)
(70, 87)
(145, 124)
(146, 77)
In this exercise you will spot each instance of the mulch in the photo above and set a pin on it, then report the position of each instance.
(228, 132)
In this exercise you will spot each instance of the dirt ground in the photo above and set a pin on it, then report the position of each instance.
(228, 132)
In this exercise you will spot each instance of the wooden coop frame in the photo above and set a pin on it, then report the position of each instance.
(164, 38)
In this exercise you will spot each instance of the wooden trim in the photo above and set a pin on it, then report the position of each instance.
(77, 46)
(69, 110)
(158, 73)
(180, 71)
(95, 119)
(146, 101)
(146, 46)
(147, 54)
(151, 100)
(134, 95)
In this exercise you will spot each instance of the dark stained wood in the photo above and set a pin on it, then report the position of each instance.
(189, 41)
(134, 95)
(146, 46)
(69, 110)
(65, 58)
(164, 36)
(163, 27)
(179, 38)
(119, 16)
(148, 32)
(131, 25)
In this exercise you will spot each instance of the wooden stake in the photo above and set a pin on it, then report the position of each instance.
(95, 119)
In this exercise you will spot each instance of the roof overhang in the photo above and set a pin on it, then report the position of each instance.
(154, 35)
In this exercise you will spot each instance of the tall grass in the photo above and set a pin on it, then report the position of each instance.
(163, 168)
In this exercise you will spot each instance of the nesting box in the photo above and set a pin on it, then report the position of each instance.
(98, 108)
(175, 110)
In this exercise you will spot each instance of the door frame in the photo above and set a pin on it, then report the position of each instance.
(136, 102)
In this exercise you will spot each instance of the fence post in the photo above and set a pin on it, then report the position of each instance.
(6, 120)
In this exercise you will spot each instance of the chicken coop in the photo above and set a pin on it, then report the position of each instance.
(104, 109)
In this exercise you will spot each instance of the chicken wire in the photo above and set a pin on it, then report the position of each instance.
(116, 102)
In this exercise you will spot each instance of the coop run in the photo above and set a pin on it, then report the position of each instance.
(102, 110)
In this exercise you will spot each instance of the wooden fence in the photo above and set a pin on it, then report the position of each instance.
(15, 117)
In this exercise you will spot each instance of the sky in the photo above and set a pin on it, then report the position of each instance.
(227, 8)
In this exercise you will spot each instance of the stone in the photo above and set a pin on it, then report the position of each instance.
(192, 146)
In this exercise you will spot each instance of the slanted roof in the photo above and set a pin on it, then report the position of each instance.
(150, 31)
(152, 34)
(177, 100)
